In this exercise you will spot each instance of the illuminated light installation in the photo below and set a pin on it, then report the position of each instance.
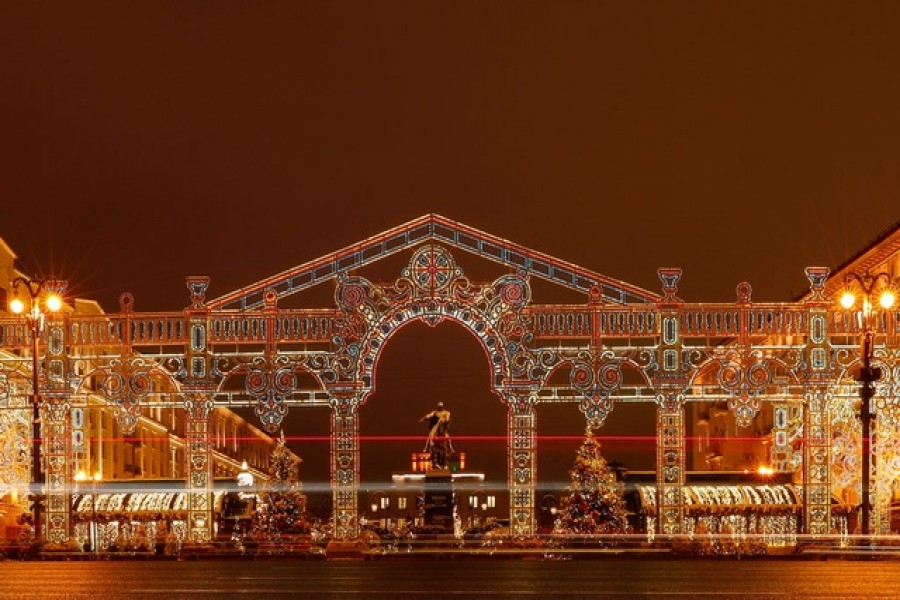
(621, 345)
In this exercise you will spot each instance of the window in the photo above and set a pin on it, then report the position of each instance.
(401, 502)
(385, 502)
(492, 501)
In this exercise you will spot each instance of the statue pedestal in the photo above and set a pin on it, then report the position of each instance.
(439, 499)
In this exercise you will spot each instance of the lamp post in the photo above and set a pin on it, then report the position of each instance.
(867, 286)
(35, 316)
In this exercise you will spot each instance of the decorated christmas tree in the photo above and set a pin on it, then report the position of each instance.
(282, 505)
(594, 504)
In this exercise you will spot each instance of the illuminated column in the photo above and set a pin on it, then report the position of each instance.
(669, 381)
(198, 391)
(669, 462)
(56, 433)
(816, 414)
(817, 460)
(522, 461)
(344, 461)
(198, 406)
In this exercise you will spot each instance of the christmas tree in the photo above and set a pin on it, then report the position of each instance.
(594, 504)
(282, 506)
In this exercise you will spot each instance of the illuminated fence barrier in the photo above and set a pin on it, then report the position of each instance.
(133, 521)
(721, 519)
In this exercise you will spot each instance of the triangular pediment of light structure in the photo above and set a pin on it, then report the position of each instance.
(437, 230)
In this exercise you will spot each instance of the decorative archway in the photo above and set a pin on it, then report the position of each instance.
(613, 325)
(433, 289)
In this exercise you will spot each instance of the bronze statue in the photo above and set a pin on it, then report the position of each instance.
(438, 442)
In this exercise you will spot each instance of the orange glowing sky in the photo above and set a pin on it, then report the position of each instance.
(144, 142)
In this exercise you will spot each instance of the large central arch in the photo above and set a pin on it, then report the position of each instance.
(433, 289)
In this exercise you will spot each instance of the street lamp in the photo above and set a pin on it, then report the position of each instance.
(869, 287)
(52, 302)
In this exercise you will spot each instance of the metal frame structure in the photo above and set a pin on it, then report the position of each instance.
(621, 344)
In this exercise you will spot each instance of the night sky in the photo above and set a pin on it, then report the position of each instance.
(144, 142)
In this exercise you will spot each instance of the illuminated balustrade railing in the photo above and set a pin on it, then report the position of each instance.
(130, 328)
(147, 329)
(842, 322)
(626, 322)
(556, 321)
(776, 320)
(284, 326)
(700, 320)
(581, 322)
(14, 334)
(710, 320)
(575, 322)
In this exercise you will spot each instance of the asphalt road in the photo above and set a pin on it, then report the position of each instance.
(464, 578)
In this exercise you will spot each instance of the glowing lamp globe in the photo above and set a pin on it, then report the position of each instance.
(848, 300)
(17, 306)
(53, 302)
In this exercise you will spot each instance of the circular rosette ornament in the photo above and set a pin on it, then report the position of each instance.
(352, 293)
(581, 377)
(432, 269)
(730, 377)
(514, 291)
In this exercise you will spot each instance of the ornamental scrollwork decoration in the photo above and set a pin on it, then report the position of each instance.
(502, 303)
(15, 435)
(886, 402)
(270, 381)
(531, 364)
(845, 459)
(127, 383)
(597, 381)
(198, 404)
(647, 360)
(175, 366)
(431, 288)
(332, 367)
(693, 359)
(745, 377)
(887, 446)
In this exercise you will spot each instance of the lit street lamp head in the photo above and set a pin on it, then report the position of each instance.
(16, 305)
(868, 287)
(52, 289)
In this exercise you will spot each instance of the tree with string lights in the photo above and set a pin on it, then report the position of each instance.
(282, 504)
(594, 504)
